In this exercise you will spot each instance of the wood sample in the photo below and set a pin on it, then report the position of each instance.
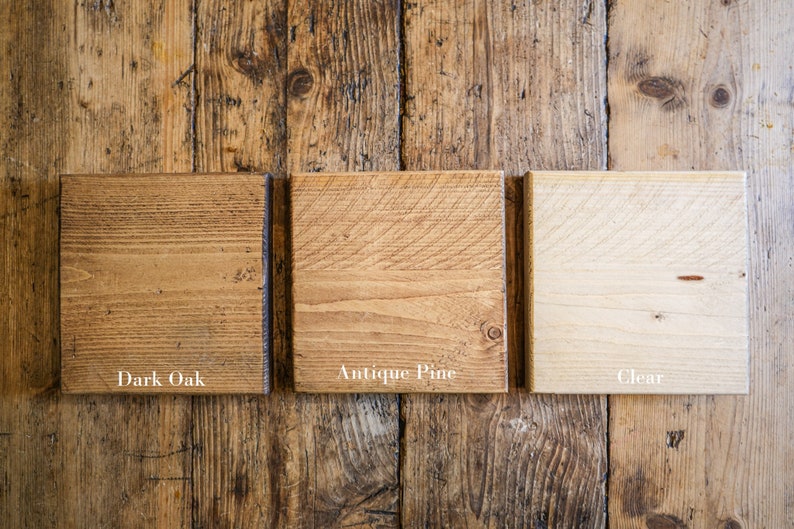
(164, 283)
(398, 282)
(638, 282)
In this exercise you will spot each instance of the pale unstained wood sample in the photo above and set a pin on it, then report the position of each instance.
(163, 274)
(398, 271)
(638, 282)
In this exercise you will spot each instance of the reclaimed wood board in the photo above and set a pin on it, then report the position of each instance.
(152, 87)
(295, 459)
(638, 282)
(398, 282)
(90, 89)
(164, 283)
(708, 85)
(511, 86)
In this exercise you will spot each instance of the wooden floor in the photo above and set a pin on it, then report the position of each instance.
(198, 85)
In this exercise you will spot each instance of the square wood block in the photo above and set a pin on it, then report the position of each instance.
(398, 282)
(638, 282)
(165, 283)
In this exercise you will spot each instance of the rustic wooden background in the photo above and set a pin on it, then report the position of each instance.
(200, 85)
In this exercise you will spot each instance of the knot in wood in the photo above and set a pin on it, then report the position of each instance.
(494, 333)
(249, 63)
(668, 91)
(657, 87)
(730, 523)
(720, 97)
(664, 521)
(300, 82)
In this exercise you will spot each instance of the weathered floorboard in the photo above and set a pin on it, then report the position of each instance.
(292, 460)
(509, 87)
(707, 85)
(30, 436)
(87, 88)
(241, 464)
(133, 117)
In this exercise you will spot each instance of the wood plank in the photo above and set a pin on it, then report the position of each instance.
(162, 283)
(398, 282)
(72, 101)
(29, 403)
(133, 116)
(294, 460)
(514, 87)
(638, 282)
(707, 86)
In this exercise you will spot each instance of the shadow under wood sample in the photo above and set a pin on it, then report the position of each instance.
(164, 283)
(399, 282)
(638, 282)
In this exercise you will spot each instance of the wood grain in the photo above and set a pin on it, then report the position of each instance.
(293, 460)
(707, 87)
(108, 87)
(162, 283)
(398, 282)
(88, 88)
(638, 282)
(504, 86)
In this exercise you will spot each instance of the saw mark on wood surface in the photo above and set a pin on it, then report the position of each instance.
(155, 455)
(190, 69)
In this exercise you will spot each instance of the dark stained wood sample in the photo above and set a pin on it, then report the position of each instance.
(398, 282)
(164, 283)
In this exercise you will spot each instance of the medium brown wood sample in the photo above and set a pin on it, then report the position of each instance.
(398, 282)
(162, 284)
(638, 282)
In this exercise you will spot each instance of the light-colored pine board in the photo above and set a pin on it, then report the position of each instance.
(88, 88)
(398, 282)
(295, 460)
(638, 282)
(504, 86)
(707, 85)
(162, 287)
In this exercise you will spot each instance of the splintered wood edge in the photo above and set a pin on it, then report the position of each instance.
(529, 298)
(266, 307)
(529, 266)
(267, 283)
